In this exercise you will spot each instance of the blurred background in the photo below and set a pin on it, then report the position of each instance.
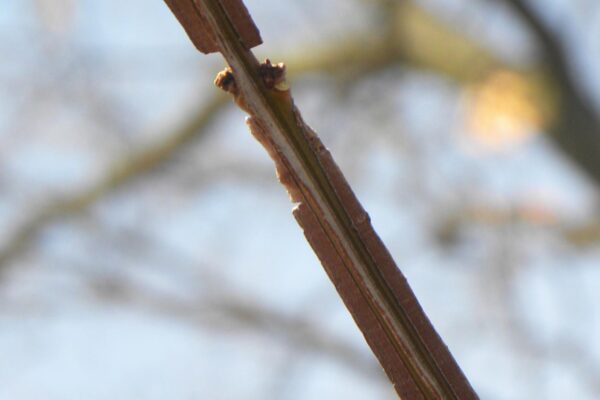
(148, 252)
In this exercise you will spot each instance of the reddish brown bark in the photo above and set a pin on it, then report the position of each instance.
(190, 16)
(337, 227)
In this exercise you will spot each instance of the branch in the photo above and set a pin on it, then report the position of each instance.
(219, 310)
(408, 36)
(132, 166)
(577, 129)
(335, 224)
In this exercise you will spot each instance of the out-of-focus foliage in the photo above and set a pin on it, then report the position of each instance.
(147, 251)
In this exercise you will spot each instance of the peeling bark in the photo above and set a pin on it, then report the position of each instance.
(335, 224)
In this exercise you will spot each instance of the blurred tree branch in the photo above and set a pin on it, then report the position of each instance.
(545, 219)
(225, 311)
(409, 36)
(210, 302)
(419, 39)
(523, 335)
(576, 130)
(130, 167)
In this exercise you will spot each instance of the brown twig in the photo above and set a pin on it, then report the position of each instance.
(367, 279)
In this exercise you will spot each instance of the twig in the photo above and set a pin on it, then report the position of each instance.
(374, 290)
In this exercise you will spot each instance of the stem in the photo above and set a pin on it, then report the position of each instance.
(339, 230)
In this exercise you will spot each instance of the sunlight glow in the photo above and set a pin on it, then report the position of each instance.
(501, 111)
